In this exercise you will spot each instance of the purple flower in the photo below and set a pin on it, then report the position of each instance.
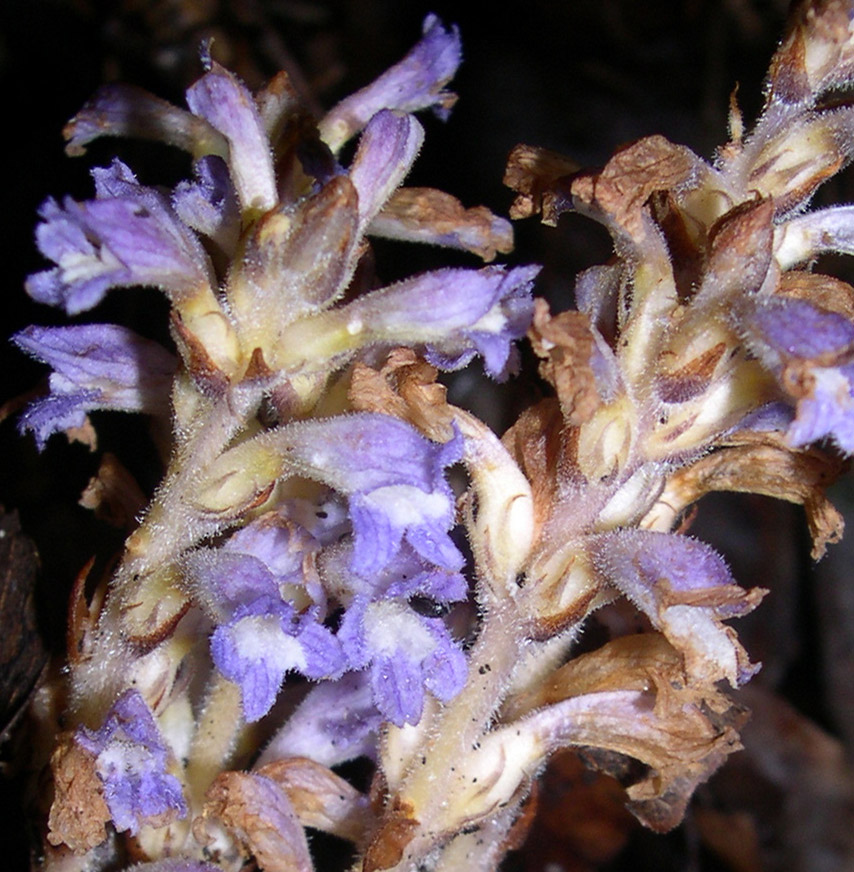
(408, 576)
(96, 366)
(264, 640)
(267, 607)
(131, 760)
(393, 477)
(386, 152)
(684, 587)
(406, 653)
(209, 204)
(337, 721)
(228, 106)
(416, 82)
(455, 314)
(809, 351)
(127, 236)
(125, 110)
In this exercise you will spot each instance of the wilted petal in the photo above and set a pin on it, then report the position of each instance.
(631, 697)
(96, 366)
(406, 652)
(131, 761)
(222, 100)
(257, 811)
(129, 236)
(125, 110)
(686, 590)
(414, 83)
(809, 351)
(321, 799)
(437, 218)
(265, 640)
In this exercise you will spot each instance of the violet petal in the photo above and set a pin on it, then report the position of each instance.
(131, 760)
(416, 82)
(222, 100)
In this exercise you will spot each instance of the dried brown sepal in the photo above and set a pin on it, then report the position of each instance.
(113, 494)
(257, 367)
(83, 614)
(320, 798)
(687, 242)
(793, 163)
(84, 434)
(256, 811)
(278, 102)
(79, 814)
(406, 388)
(693, 378)
(565, 345)
(152, 607)
(816, 53)
(538, 444)
(761, 463)
(740, 248)
(206, 375)
(541, 179)
(632, 697)
(620, 191)
(429, 215)
(389, 843)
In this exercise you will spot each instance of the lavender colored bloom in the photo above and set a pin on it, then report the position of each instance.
(127, 236)
(686, 590)
(416, 82)
(222, 100)
(409, 575)
(336, 722)
(406, 653)
(209, 204)
(393, 477)
(387, 150)
(267, 609)
(809, 352)
(131, 760)
(96, 366)
(267, 558)
(125, 110)
(456, 314)
(266, 639)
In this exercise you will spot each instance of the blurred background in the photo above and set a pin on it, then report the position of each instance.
(580, 77)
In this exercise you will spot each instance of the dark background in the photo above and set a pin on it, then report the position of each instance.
(579, 77)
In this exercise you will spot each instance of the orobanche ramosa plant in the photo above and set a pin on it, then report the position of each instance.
(306, 588)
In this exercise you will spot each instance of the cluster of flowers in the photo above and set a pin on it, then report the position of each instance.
(304, 527)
